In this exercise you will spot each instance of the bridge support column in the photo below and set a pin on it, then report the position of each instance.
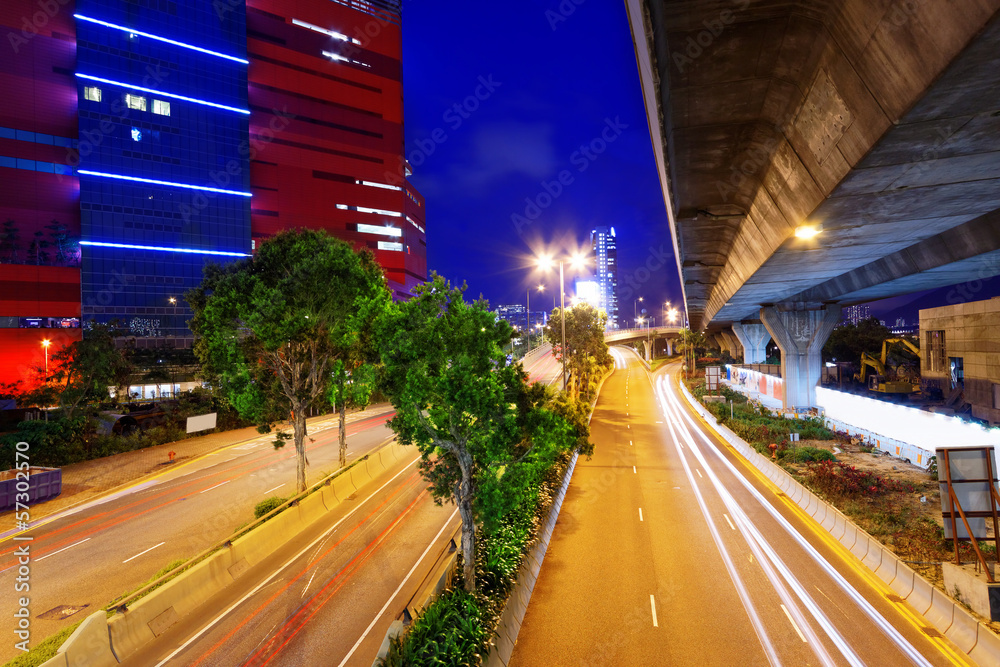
(800, 335)
(670, 347)
(647, 347)
(730, 344)
(754, 337)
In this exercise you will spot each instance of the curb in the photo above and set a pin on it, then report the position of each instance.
(947, 616)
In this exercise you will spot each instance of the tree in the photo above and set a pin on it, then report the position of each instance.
(271, 328)
(88, 368)
(9, 243)
(458, 400)
(848, 341)
(586, 350)
(691, 341)
(354, 382)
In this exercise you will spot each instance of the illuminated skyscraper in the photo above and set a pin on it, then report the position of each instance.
(602, 240)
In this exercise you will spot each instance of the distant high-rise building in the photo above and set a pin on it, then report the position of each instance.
(602, 240)
(857, 314)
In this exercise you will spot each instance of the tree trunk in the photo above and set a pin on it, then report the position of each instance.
(464, 500)
(343, 434)
(299, 430)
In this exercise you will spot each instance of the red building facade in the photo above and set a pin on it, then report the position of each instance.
(326, 129)
(39, 195)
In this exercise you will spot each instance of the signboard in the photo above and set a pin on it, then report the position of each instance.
(713, 375)
(201, 422)
(971, 472)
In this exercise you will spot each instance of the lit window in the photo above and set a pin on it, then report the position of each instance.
(135, 102)
(388, 245)
(161, 107)
(136, 134)
(92, 93)
(375, 229)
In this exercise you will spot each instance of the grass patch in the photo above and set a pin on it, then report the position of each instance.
(268, 505)
(46, 650)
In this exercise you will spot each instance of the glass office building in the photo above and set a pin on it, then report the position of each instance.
(164, 171)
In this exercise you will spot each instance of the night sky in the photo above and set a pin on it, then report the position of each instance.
(553, 86)
(548, 84)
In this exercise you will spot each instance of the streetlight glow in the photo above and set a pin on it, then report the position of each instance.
(807, 231)
(45, 345)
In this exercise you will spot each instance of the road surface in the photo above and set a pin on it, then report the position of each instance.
(669, 550)
(84, 557)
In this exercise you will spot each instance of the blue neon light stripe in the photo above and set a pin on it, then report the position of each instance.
(160, 93)
(132, 31)
(191, 251)
(85, 172)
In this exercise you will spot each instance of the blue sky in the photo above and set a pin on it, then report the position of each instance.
(543, 96)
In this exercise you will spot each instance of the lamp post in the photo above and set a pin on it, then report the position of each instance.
(635, 311)
(45, 345)
(546, 262)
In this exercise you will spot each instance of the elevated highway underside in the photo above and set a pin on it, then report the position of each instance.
(878, 120)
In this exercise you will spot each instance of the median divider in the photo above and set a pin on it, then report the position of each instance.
(149, 612)
(945, 614)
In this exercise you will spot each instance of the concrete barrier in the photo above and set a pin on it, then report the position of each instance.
(987, 648)
(89, 644)
(850, 535)
(942, 611)
(887, 569)
(839, 527)
(861, 544)
(58, 660)
(359, 475)
(343, 487)
(964, 631)
(873, 559)
(920, 597)
(312, 508)
(903, 583)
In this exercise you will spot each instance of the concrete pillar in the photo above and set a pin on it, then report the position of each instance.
(670, 347)
(754, 337)
(719, 341)
(732, 346)
(800, 335)
(647, 347)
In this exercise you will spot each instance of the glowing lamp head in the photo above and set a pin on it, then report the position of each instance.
(807, 231)
(544, 262)
(578, 261)
(46, 342)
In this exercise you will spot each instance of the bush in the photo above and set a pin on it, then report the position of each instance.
(449, 632)
(268, 505)
(839, 480)
(807, 455)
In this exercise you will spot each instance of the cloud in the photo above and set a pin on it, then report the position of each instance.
(496, 151)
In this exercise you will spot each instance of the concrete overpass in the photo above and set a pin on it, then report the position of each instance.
(648, 335)
(874, 122)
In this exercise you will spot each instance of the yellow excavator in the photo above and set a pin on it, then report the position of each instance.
(878, 381)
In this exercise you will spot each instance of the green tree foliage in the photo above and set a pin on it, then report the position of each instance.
(587, 355)
(691, 342)
(83, 371)
(848, 341)
(483, 434)
(271, 328)
(354, 383)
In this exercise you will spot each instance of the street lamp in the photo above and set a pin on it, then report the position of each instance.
(577, 262)
(45, 344)
(635, 312)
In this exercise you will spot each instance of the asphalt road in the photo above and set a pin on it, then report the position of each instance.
(544, 368)
(328, 596)
(669, 550)
(83, 558)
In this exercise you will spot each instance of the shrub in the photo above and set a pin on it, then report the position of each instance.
(807, 455)
(840, 480)
(449, 632)
(267, 505)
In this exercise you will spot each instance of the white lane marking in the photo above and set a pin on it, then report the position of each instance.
(640, 514)
(748, 605)
(144, 552)
(274, 489)
(628, 426)
(396, 592)
(699, 473)
(279, 570)
(652, 604)
(790, 620)
(633, 470)
(728, 521)
(629, 443)
(309, 583)
(216, 486)
(62, 550)
(890, 631)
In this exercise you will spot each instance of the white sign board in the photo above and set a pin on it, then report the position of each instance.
(970, 479)
(712, 376)
(201, 422)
